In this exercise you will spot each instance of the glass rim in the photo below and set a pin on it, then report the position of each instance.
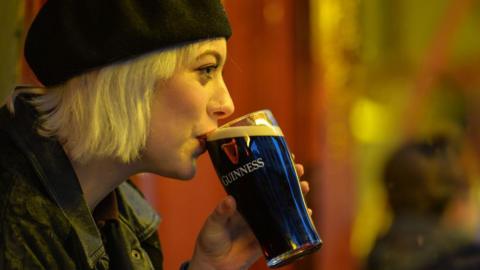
(240, 118)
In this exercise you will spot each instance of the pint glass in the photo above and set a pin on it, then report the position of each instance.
(253, 162)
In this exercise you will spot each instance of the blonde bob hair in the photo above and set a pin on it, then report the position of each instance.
(105, 112)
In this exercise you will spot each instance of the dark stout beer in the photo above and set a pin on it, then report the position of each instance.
(255, 167)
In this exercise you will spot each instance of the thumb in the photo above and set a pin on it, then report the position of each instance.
(214, 239)
(224, 210)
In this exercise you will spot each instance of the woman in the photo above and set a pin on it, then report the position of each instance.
(130, 86)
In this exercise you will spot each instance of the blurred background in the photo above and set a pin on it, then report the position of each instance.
(350, 82)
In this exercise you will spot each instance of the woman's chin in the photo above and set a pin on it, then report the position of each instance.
(185, 173)
(182, 170)
(186, 176)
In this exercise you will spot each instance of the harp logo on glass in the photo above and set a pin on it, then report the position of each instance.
(231, 151)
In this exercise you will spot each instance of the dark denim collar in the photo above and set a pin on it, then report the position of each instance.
(56, 173)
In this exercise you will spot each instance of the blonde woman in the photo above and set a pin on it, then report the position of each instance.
(129, 86)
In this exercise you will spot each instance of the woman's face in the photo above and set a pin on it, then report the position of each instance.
(184, 109)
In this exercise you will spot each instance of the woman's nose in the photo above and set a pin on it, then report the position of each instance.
(222, 106)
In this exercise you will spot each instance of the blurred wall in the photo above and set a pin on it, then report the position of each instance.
(11, 26)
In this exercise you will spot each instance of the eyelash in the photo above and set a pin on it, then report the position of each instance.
(208, 70)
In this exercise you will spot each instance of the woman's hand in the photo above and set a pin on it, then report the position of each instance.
(303, 184)
(226, 241)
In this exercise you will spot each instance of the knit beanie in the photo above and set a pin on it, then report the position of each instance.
(70, 37)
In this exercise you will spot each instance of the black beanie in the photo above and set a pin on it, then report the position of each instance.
(70, 37)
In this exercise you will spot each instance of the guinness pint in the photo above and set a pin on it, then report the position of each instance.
(254, 165)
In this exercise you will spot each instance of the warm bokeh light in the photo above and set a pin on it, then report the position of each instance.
(371, 122)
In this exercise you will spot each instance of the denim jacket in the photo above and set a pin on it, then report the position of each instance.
(45, 221)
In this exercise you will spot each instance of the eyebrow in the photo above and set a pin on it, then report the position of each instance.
(215, 54)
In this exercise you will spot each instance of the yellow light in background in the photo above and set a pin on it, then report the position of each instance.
(373, 219)
(370, 121)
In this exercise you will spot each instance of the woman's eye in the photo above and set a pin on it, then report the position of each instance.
(208, 70)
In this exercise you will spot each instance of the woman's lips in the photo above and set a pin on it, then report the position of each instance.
(202, 141)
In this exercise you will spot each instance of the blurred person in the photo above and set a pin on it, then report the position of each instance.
(130, 86)
(421, 180)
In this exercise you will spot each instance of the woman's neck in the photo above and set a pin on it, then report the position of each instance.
(99, 177)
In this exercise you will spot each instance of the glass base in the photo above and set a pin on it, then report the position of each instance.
(293, 255)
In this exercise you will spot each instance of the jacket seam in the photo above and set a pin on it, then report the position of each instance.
(146, 232)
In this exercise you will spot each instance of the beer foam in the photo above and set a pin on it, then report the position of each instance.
(232, 132)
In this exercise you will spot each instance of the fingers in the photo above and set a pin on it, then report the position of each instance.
(305, 186)
(300, 169)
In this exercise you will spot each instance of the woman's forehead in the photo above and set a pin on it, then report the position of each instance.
(218, 46)
(194, 52)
